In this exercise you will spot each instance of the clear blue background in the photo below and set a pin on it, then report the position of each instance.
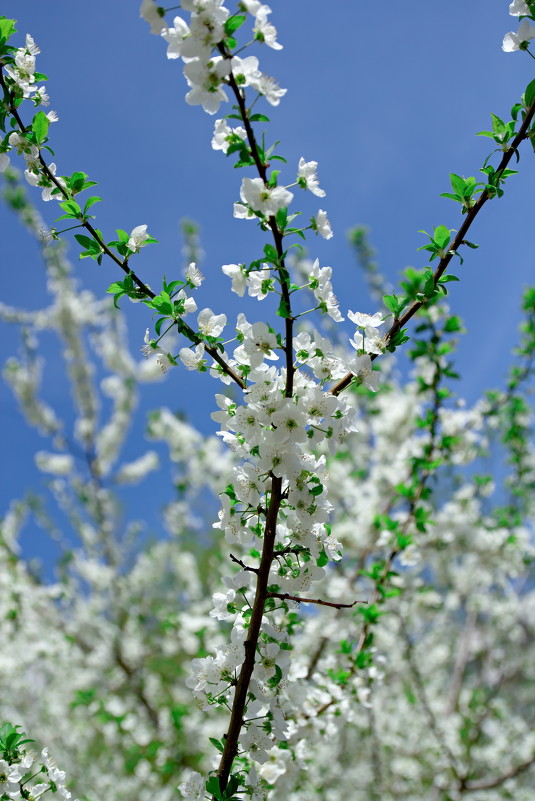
(386, 97)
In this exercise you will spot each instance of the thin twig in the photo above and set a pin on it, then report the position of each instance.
(242, 564)
(461, 660)
(424, 701)
(285, 597)
(488, 784)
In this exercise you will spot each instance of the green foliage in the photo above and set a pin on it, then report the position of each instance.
(213, 787)
(464, 191)
(501, 132)
(40, 125)
(10, 742)
(395, 304)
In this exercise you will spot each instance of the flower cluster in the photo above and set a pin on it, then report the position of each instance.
(526, 32)
(296, 454)
(209, 29)
(20, 766)
(22, 80)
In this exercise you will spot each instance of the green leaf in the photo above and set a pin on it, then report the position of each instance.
(272, 182)
(371, 613)
(213, 788)
(117, 286)
(441, 236)
(244, 163)
(452, 197)
(498, 125)
(162, 303)
(233, 23)
(391, 303)
(258, 118)
(529, 94)
(271, 254)
(86, 242)
(91, 202)
(159, 323)
(72, 208)
(453, 324)
(282, 218)
(220, 747)
(40, 125)
(284, 309)
(277, 678)
(322, 559)
(7, 27)
(457, 183)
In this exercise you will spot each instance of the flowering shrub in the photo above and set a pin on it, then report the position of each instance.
(340, 487)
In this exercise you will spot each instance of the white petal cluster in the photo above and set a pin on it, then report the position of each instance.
(264, 30)
(526, 31)
(257, 198)
(271, 432)
(259, 283)
(519, 8)
(367, 340)
(320, 284)
(58, 464)
(513, 41)
(224, 135)
(307, 177)
(321, 224)
(150, 12)
(22, 72)
(15, 776)
(21, 79)
(193, 787)
(205, 69)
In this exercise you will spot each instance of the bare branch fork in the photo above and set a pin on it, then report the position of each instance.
(242, 564)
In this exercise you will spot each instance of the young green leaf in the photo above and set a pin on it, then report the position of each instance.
(40, 125)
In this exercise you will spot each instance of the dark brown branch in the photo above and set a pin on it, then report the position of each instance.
(455, 245)
(472, 787)
(285, 597)
(136, 685)
(242, 564)
(277, 236)
(240, 696)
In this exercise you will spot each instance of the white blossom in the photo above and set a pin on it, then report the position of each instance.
(321, 224)
(307, 177)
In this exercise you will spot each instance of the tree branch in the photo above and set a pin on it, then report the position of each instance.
(277, 236)
(242, 564)
(471, 214)
(240, 696)
(123, 264)
(285, 597)
(472, 787)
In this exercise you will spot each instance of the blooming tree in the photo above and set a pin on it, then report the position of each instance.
(340, 487)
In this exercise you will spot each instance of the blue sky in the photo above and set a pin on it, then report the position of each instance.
(386, 97)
